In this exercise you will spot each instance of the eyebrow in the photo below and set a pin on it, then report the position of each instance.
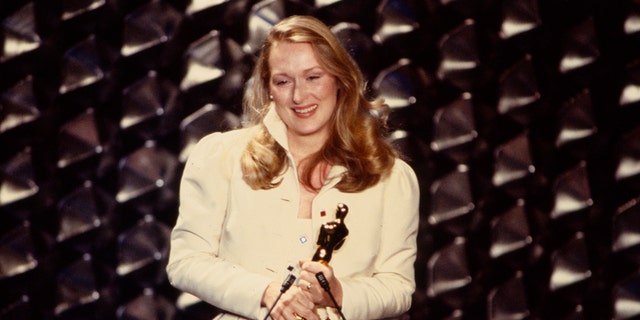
(303, 71)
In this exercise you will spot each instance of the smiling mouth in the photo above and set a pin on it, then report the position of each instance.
(306, 110)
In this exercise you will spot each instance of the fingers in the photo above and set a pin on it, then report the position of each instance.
(295, 304)
(305, 284)
(308, 281)
(312, 288)
(309, 270)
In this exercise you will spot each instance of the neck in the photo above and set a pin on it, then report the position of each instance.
(304, 147)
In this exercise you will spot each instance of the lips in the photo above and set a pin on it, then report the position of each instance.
(305, 110)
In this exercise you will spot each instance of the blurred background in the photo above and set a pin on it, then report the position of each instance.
(520, 117)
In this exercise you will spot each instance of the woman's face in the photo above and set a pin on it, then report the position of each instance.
(304, 93)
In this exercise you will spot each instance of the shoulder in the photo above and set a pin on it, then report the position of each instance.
(216, 153)
(401, 167)
(402, 176)
(226, 139)
(217, 143)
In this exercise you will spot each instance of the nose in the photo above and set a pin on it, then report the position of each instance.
(299, 93)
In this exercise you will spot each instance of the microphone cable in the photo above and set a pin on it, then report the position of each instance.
(288, 282)
(324, 283)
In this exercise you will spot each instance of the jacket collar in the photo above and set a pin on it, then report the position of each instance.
(276, 127)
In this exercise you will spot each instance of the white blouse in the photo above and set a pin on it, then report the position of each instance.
(231, 241)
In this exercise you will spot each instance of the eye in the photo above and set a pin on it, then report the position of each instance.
(280, 82)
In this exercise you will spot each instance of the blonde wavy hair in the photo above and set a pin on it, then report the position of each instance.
(358, 125)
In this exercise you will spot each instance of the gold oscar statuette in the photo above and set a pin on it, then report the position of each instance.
(332, 235)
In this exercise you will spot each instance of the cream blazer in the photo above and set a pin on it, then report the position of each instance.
(230, 241)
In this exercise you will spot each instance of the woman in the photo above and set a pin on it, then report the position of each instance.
(253, 199)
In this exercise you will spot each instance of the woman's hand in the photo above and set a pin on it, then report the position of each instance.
(308, 282)
(295, 304)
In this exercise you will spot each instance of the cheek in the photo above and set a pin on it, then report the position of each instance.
(284, 116)
(281, 90)
(279, 109)
(330, 90)
(331, 94)
(278, 95)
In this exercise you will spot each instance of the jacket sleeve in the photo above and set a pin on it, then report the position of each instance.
(388, 292)
(194, 263)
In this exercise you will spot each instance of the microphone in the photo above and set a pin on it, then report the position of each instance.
(324, 283)
(286, 284)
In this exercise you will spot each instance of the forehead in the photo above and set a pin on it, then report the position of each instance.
(289, 56)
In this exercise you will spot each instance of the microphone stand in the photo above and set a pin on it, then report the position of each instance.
(324, 283)
(288, 282)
